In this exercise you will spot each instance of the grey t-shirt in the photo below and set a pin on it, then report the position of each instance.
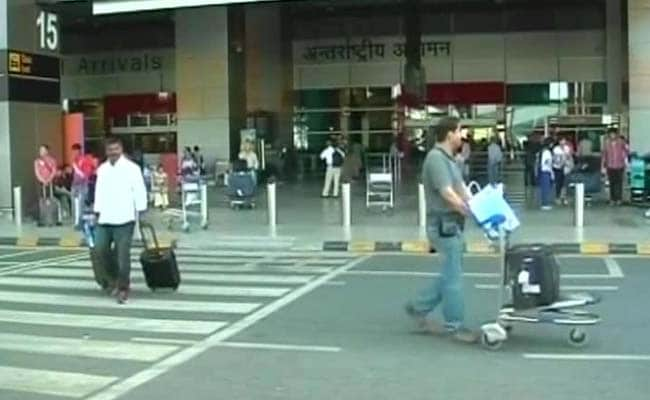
(438, 172)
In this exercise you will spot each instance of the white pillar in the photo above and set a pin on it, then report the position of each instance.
(614, 66)
(18, 207)
(422, 207)
(579, 205)
(639, 59)
(345, 204)
(202, 89)
(270, 190)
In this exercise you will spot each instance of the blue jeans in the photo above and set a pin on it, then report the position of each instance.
(546, 188)
(79, 191)
(448, 287)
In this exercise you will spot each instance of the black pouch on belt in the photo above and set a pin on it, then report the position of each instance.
(450, 225)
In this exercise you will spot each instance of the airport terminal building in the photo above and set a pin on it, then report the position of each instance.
(293, 73)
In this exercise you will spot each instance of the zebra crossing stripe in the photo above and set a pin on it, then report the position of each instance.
(134, 303)
(205, 277)
(73, 347)
(89, 321)
(205, 265)
(188, 289)
(52, 383)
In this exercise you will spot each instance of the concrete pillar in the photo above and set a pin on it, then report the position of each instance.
(639, 70)
(264, 86)
(30, 101)
(614, 68)
(203, 67)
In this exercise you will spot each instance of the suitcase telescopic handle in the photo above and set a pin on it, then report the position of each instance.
(147, 231)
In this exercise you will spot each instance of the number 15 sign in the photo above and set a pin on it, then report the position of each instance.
(47, 24)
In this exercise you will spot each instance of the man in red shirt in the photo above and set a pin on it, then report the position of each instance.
(615, 157)
(84, 167)
(45, 166)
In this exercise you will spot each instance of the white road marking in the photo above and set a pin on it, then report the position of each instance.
(206, 266)
(84, 348)
(119, 389)
(587, 357)
(283, 347)
(417, 274)
(568, 287)
(21, 253)
(190, 289)
(180, 342)
(27, 266)
(466, 274)
(111, 323)
(204, 277)
(335, 283)
(613, 267)
(134, 303)
(52, 383)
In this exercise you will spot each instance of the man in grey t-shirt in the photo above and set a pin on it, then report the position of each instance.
(446, 199)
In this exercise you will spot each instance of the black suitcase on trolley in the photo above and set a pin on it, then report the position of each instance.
(158, 263)
(543, 270)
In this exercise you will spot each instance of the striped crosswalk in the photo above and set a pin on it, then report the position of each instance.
(52, 315)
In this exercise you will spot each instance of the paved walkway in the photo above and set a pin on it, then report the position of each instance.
(306, 221)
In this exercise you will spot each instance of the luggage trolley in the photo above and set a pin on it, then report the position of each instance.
(565, 311)
(194, 203)
(380, 183)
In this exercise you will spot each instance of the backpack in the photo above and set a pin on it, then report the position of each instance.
(337, 158)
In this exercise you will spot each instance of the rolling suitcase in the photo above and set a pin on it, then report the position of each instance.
(48, 208)
(540, 271)
(158, 263)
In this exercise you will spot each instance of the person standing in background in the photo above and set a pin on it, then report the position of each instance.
(160, 188)
(614, 162)
(559, 167)
(198, 158)
(83, 167)
(45, 166)
(248, 154)
(333, 157)
(495, 161)
(120, 199)
(545, 174)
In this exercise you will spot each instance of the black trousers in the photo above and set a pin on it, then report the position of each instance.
(615, 177)
(122, 237)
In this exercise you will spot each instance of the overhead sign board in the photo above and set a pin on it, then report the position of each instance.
(126, 6)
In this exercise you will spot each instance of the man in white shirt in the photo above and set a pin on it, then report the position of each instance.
(120, 196)
(333, 157)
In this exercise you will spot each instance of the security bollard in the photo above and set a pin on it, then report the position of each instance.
(76, 210)
(579, 204)
(18, 207)
(270, 190)
(204, 206)
(345, 200)
(422, 207)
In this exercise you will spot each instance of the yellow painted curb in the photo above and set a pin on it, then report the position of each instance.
(362, 247)
(479, 247)
(643, 248)
(594, 248)
(27, 241)
(70, 240)
(415, 246)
